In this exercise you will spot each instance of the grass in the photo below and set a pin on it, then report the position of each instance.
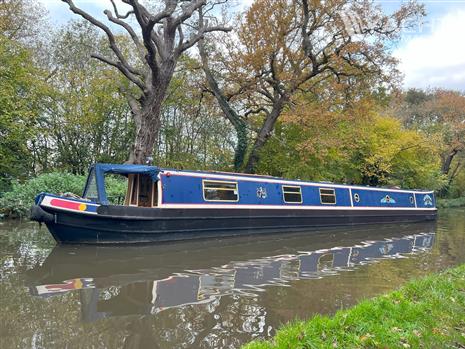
(449, 203)
(425, 313)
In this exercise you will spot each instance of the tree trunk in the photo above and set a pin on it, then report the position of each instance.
(265, 133)
(241, 146)
(146, 134)
(238, 123)
(448, 161)
(148, 121)
(445, 169)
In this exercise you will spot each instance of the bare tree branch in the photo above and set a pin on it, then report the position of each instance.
(126, 26)
(117, 14)
(199, 35)
(122, 69)
(108, 32)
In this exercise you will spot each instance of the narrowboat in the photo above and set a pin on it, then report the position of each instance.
(167, 204)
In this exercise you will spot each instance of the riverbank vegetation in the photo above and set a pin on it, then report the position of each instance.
(17, 202)
(425, 313)
(448, 203)
(272, 97)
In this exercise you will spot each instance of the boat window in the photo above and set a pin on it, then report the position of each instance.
(220, 191)
(292, 194)
(91, 192)
(327, 196)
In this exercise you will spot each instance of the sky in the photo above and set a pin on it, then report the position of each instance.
(431, 55)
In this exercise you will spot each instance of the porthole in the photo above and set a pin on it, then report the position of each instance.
(412, 200)
(356, 197)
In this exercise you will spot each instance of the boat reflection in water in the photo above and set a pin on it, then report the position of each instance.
(117, 281)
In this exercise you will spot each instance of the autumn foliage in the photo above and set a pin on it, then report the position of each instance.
(299, 88)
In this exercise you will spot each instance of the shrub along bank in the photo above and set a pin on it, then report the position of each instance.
(17, 202)
(425, 313)
(449, 203)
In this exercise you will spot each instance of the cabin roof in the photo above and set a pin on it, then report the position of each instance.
(153, 171)
(126, 169)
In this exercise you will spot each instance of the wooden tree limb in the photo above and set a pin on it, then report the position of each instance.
(188, 10)
(195, 38)
(111, 38)
(229, 112)
(131, 77)
(126, 26)
(117, 14)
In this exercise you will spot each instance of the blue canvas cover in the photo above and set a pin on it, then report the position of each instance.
(101, 169)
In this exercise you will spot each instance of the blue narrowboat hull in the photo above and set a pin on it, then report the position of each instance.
(166, 205)
(119, 224)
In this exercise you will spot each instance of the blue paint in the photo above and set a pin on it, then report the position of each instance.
(377, 198)
(188, 190)
(425, 200)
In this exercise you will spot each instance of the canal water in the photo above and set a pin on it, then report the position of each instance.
(204, 294)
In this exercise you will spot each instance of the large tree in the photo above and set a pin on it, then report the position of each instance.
(21, 95)
(167, 30)
(22, 20)
(328, 139)
(86, 118)
(441, 115)
(287, 46)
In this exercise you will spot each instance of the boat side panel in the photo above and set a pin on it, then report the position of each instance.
(188, 190)
(371, 198)
(425, 200)
(180, 224)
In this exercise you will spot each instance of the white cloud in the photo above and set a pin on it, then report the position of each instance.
(438, 58)
(60, 13)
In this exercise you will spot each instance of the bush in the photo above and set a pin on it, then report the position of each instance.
(449, 203)
(16, 203)
(115, 187)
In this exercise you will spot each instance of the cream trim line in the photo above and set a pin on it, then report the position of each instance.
(288, 182)
(287, 207)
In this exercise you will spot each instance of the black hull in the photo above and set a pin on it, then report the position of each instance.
(114, 225)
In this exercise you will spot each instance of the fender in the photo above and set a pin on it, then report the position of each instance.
(38, 214)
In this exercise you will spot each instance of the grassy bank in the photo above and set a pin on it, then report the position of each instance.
(449, 203)
(425, 313)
